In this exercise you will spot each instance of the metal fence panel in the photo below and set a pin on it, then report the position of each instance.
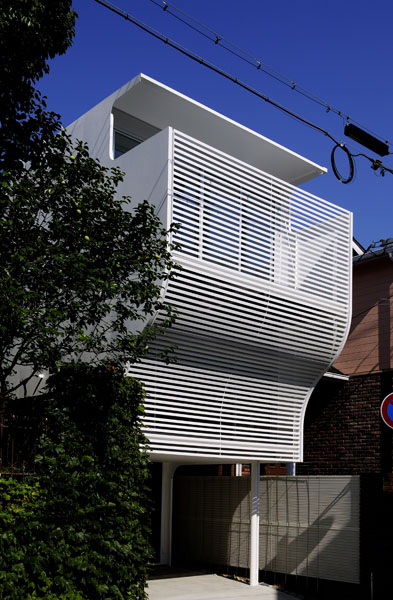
(309, 526)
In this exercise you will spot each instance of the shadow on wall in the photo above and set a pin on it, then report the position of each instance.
(211, 520)
(309, 526)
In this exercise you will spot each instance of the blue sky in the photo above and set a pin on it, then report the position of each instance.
(339, 50)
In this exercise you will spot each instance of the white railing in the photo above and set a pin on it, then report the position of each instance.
(236, 216)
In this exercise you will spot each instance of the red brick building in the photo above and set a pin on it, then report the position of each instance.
(344, 432)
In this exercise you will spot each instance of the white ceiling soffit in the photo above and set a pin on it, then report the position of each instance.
(161, 106)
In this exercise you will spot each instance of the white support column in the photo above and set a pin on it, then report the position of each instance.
(168, 470)
(291, 469)
(254, 524)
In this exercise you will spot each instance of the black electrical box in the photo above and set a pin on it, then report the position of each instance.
(366, 139)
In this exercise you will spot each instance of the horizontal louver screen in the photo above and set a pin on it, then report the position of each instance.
(263, 308)
(234, 215)
(309, 526)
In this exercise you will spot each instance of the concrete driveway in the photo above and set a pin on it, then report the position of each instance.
(210, 587)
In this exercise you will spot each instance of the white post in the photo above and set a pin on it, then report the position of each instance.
(291, 469)
(168, 470)
(254, 524)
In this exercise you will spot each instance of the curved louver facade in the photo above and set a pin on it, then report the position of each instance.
(264, 305)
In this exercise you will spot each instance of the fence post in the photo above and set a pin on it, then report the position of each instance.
(254, 524)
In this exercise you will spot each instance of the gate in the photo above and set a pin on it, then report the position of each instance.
(309, 526)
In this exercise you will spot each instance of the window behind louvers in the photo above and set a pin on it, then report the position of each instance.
(222, 221)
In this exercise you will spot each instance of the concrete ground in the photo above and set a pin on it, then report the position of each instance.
(209, 587)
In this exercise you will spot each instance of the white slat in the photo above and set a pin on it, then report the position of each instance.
(263, 304)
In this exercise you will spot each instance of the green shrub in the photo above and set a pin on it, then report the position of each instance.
(82, 530)
(21, 552)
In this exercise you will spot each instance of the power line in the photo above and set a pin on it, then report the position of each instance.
(220, 40)
(376, 165)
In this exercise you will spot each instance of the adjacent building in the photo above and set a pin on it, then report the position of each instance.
(344, 431)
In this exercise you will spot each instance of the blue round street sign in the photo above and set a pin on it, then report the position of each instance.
(387, 410)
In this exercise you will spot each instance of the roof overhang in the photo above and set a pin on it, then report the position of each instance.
(357, 248)
(338, 376)
(162, 106)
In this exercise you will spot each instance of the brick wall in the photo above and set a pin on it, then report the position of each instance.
(344, 433)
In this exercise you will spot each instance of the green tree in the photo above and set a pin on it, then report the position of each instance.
(31, 33)
(76, 268)
(80, 279)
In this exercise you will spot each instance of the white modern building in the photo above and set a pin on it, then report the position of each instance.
(263, 297)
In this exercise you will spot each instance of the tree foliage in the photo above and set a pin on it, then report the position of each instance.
(80, 278)
(76, 268)
(80, 531)
(31, 33)
(80, 282)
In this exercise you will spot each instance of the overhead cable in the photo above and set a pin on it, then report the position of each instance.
(350, 162)
(376, 164)
(218, 39)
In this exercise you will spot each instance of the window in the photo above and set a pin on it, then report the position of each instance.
(128, 131)
(123, 143)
